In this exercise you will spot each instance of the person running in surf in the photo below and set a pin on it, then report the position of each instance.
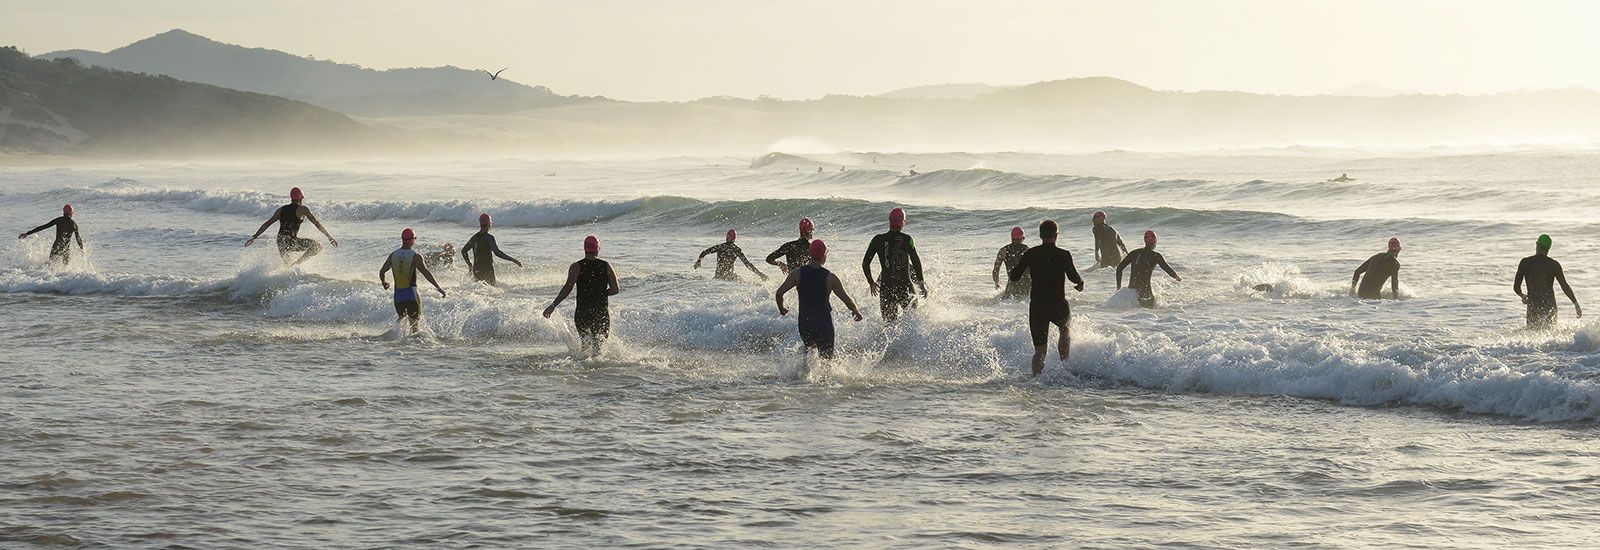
(289, 217)
(897, 256)
(1051, 268)
(483, 245)
(1008, 257)
(816, 313)
(1380, 267)
(406, 264)
(66, 231)
(1540, 270)
(726, 253)
(1144, 262)
(445, 257)
(795, 252)
(1108, 247)
(596, 283)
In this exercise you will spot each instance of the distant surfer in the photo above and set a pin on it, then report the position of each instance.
(1540, 270)
(406, 264)
(483, 246)
(289, 217)
(1144, 262)
(795, 253)
(66, 231)
(1343, 178)
(816, 312)
(596, 283)
(1008, 257)
(1380, 267)
(901, 268)
(726, 253)
(1051, 268)
(445, 257)
(1108, 247)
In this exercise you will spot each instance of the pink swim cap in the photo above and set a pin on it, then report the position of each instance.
(1099, 215)
(484, 218)
(66, 210)
(1394, 244)
(806, 226)
(1150, 238)
(295, 194)
(591, 244)
(732, 235)
(819, 249)
(897, 218)
(1016, 233)
(408, 235)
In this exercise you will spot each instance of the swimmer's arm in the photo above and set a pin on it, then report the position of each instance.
(1516, 285)
(1022, 267)
(1120, 245)
(866, 261)
(751, 265)
(1125, 261)
(471, 242)
(318, 223)
(1357, 277)
(838, 290)
(1168, 269)
(260, 230)
(1394, 285)
(788, 283)
(1072, 274)
(422, 267)
(78, 234)
(1562, 278)
(572, 279)
(495, 246)
(383, 273)
(916, 268)
(703, 254)
(999, 258)
(773, 257)
(615, 286)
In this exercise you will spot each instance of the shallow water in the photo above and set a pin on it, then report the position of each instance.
(182, 391)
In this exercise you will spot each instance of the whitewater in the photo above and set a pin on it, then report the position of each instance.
(178, 389)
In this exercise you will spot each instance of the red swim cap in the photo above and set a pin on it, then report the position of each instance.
(897, 218)
(66, 210)
(1394, 244)
(1016, 233)
(591, 244)
(408, 235)
(1099, 215)
(483, 218)
(806, 226)
(819, 249)
(732, 235)
(1150, 238)
(295, 194)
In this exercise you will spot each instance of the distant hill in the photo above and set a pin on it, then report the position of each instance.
(343, 87)
(59, 106)
(943, 91)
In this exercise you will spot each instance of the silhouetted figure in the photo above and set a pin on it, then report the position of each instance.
(66, 231)
(1051, 268)
(1380, 267)
(1541, 271)
(1008, 257)
(1108, 247)
(289, 217)
(406, 264)
(816, 313)
(483, 249)
(901, 268)
(726, 253)
(1144, 262)
(596, 283)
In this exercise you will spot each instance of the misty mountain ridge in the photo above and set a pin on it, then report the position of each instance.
(347, 88)
(62, 107)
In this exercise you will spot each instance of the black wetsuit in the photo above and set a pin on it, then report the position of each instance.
(1378, 269)
(726, 254)
(61, 248)
(816, 313)
(1051, 268)
(1009, 256)
(900, 268)
(483, 248)
(593, 314)
(1541, 272)
(1144, 262)
(289, 231)
(796, 253)
(1108, 244)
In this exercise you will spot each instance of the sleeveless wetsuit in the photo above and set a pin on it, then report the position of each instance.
(407, 303)
(816, 313)
(592, 314)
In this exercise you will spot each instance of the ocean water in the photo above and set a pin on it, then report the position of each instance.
(178, 390)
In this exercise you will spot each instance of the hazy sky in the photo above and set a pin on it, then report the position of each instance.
(664, 49)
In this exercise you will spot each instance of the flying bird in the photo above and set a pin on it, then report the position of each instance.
(495, 75)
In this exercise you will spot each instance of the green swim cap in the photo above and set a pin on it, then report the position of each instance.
(1544, 242)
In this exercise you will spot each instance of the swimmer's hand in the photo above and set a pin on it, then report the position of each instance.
(548, 311)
